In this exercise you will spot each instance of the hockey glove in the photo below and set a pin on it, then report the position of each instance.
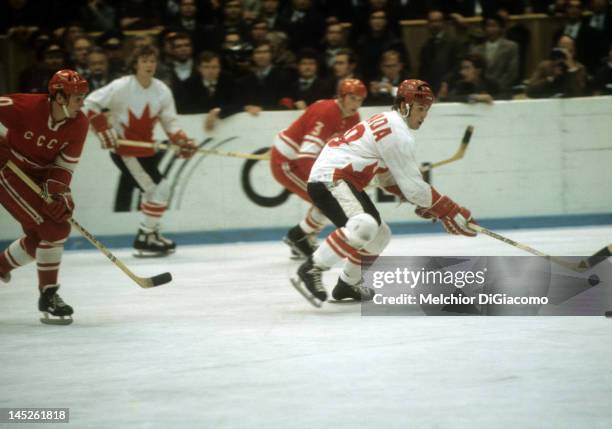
(185, 147)
(454, 217)
(105, 132)
(61, 205)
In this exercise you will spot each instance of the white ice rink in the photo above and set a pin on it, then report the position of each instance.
(230, 344)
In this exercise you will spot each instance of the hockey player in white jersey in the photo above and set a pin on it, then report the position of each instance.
(380, 151)
(134, 104)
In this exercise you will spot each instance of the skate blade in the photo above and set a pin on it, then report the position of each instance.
(297, 284)
(144, 254)
(56, 320)
(344, 301)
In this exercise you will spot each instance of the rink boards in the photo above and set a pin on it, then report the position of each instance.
(526, 158)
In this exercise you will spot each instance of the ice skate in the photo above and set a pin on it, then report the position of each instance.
(309, 283)
(344, 291)
(299, 242)
(150, 243)
(55, 310)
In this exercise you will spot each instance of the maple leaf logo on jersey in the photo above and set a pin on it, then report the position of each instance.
(360, 179)
(140, 129)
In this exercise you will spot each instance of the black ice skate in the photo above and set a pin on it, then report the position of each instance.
(301, 244)
(356, 292)
(150, 243)
(5, 277)
(54, 309)
(310, 284)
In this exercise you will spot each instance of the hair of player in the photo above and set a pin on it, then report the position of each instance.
(142, 51)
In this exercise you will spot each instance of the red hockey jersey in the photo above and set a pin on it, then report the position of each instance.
(42, 149)
(307, 135)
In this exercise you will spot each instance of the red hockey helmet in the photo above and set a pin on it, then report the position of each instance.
(414, 90)
(69, 82)
(352, 86)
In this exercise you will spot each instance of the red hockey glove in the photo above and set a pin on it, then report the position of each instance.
(454, 217)
(105, 132)
(61, 205)
(185, 147)
(5, 152)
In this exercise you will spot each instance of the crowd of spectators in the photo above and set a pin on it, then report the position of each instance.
(226, 56)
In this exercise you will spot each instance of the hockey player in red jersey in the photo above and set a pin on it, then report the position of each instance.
(135, 103)
(45, 138)
(297, 147)
(380, 151)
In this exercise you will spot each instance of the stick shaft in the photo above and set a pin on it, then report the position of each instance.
(567, 264)
(260, 157)
(34, 186)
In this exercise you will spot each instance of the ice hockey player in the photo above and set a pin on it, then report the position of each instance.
(134, 103)
(296, 148)
(45, 137)
(383, 147)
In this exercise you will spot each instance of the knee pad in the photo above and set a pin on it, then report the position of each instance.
(360, 230)
(378, 244)
(160, 194)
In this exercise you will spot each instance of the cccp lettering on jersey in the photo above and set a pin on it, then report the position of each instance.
(375, 123)
(41, 140)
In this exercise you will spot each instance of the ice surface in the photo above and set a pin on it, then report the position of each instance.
(231, 344)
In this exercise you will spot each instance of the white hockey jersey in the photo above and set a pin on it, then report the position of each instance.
(134, 109)
(381, 148)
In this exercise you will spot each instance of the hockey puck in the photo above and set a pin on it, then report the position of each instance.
(608, 314)
(594, 280)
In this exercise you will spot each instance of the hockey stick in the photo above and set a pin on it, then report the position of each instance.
(579, 267)
(260, 157)
(144, 282)
(458, 155)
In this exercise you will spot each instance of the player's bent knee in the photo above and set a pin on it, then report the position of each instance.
(161, 193)
(53, 231)
(361, 229)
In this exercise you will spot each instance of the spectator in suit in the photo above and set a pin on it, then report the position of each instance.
(270, 12)
(265, 86)
(440, 55)
(232, 20)
(307, 87)
(345, 67)
(303, 24)
(78, 54)
(210, 90)
(473, 85)
(384, 86)
(97, 63)
(333, 43)
(561, 75)
(602, 81)
(202, 36)
(519, 34)
(375, 41)
(112, 43)
(501, 54)
(588, 50)
(181, 62)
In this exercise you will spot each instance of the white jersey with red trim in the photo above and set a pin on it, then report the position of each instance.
(381, 148)
(307, 135)
(135, 109)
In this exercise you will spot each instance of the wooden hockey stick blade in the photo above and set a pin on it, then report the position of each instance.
(144, 282)
(559, 261)
(243, 155)
(467, 136)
